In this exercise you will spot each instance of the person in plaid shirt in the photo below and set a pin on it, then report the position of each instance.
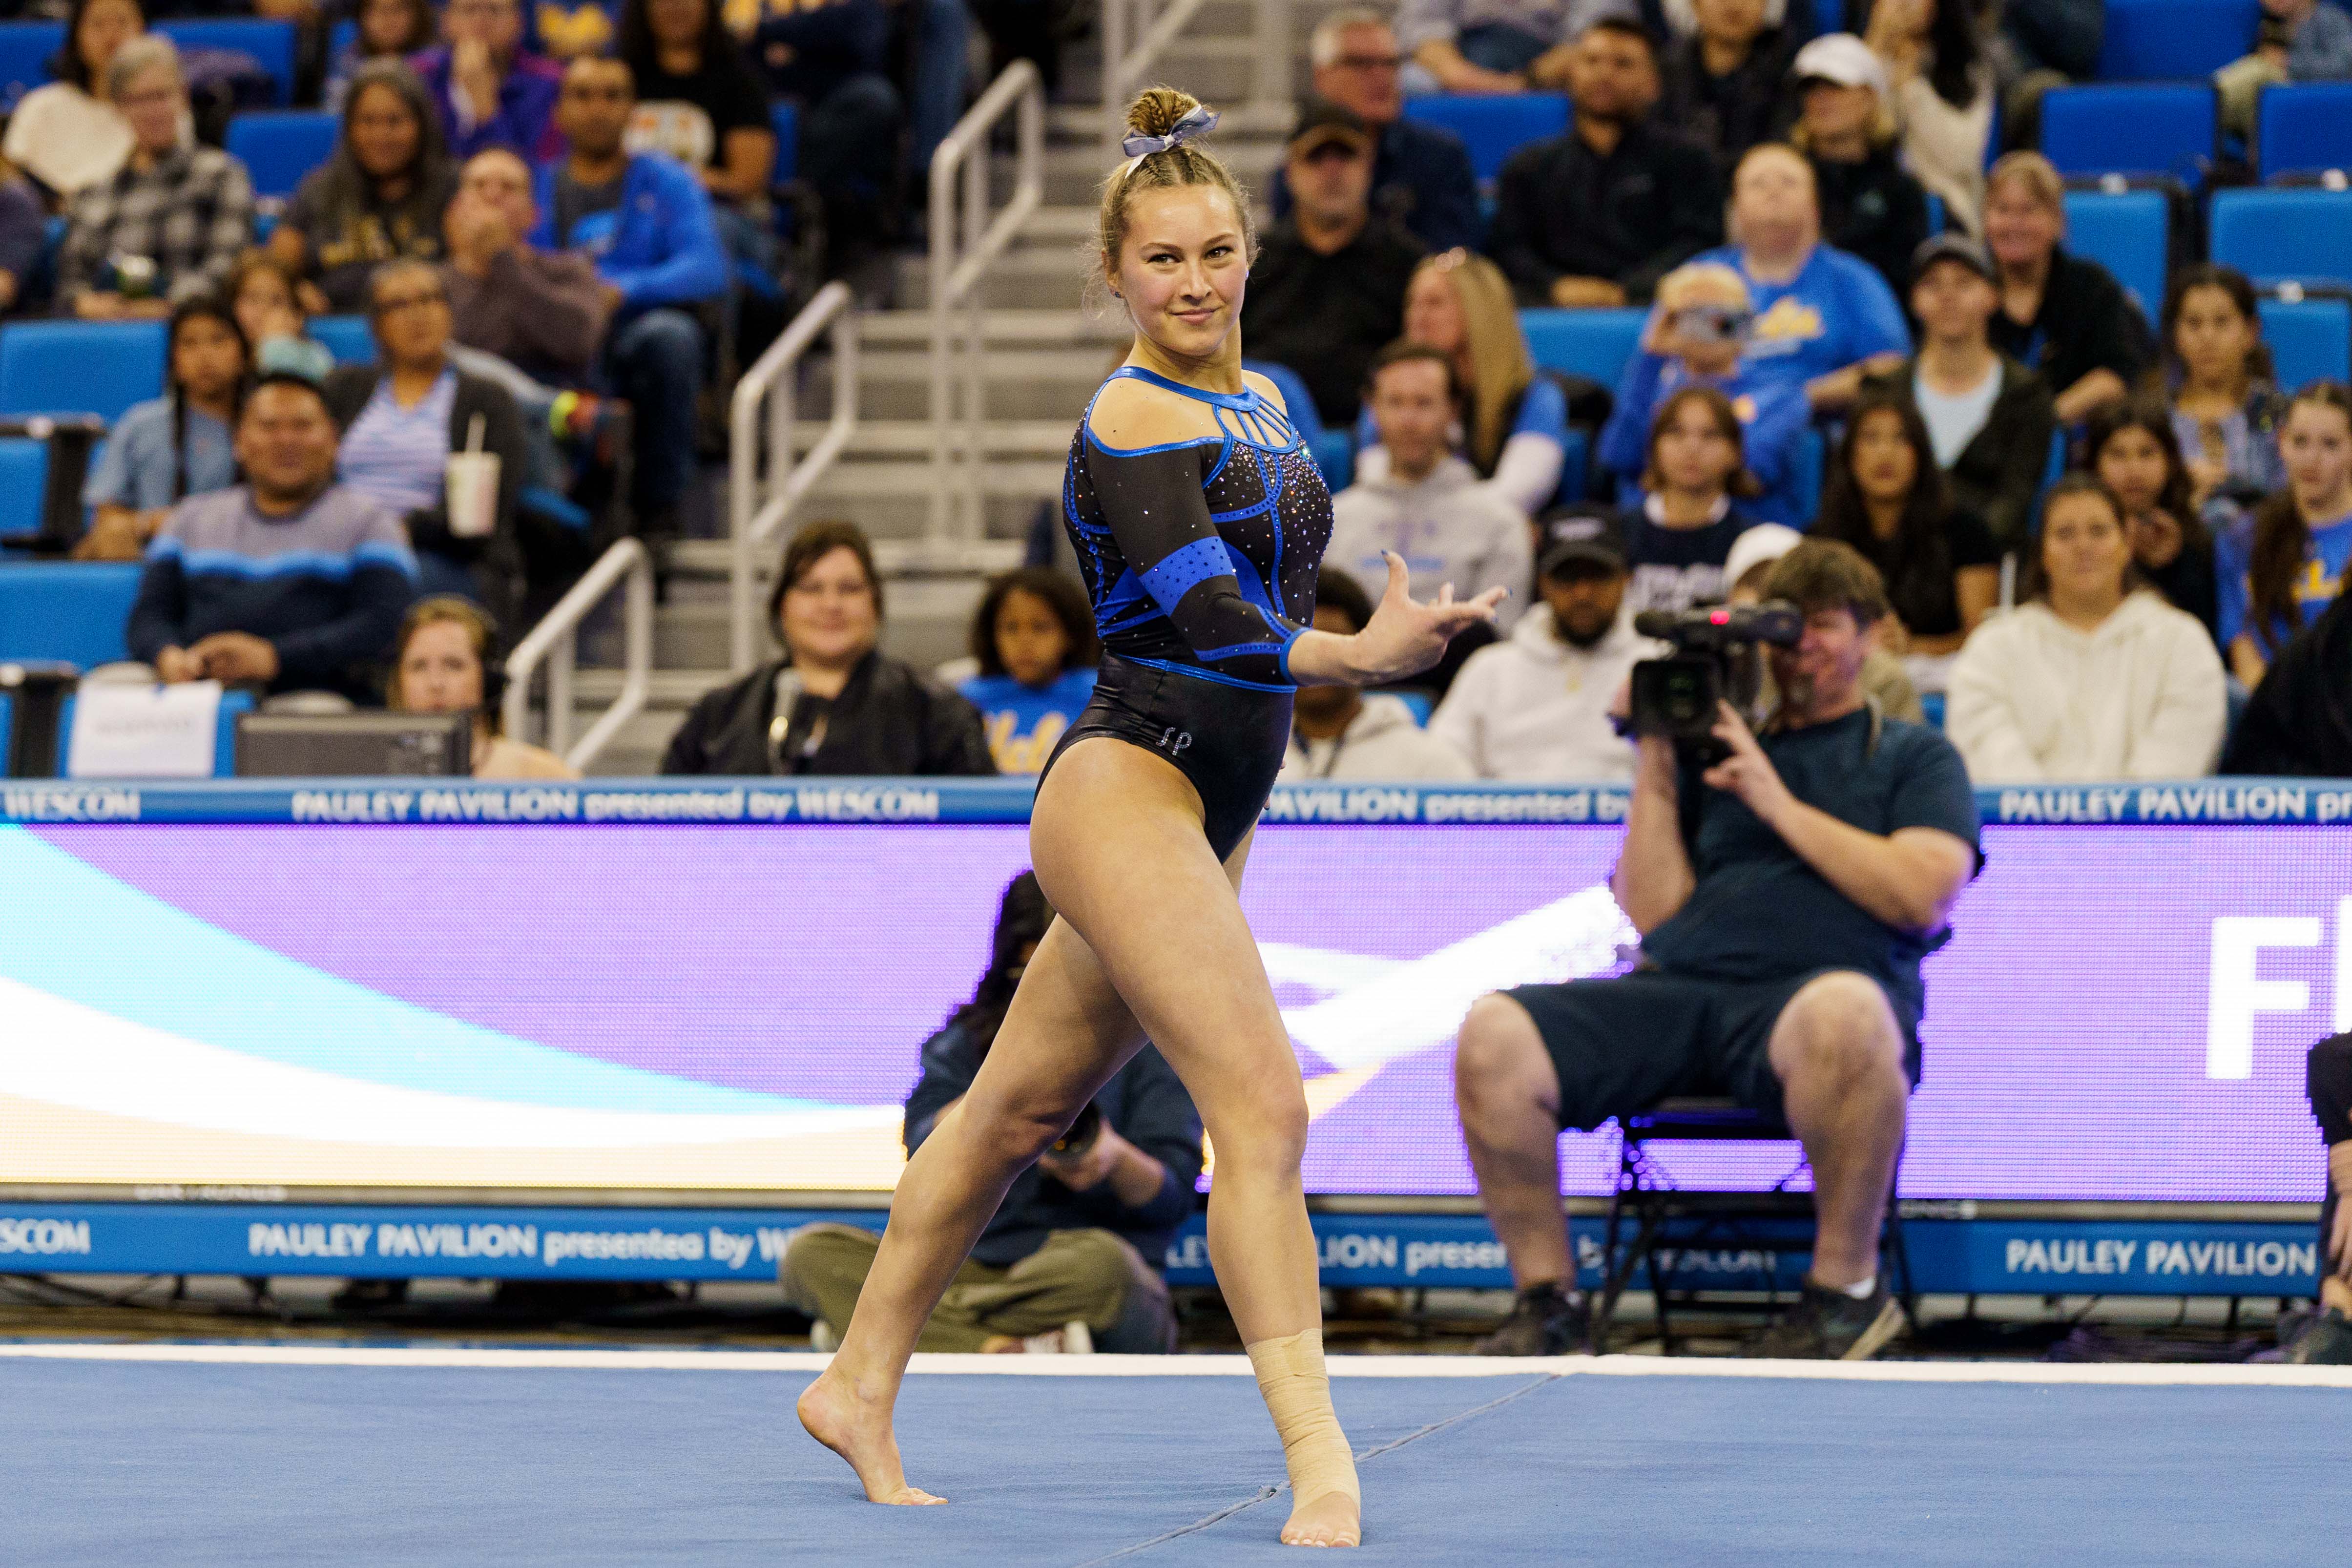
(171, 221)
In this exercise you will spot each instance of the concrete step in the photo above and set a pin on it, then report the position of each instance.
(1046, 327)
(1031, 384)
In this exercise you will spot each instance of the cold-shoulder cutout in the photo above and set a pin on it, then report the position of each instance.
(1133, 416)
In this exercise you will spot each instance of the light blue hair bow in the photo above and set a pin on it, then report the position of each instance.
(1199, 121)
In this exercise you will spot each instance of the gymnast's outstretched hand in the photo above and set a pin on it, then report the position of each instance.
(1405, 636)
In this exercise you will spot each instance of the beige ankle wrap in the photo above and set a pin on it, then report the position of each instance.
(1298, 1393)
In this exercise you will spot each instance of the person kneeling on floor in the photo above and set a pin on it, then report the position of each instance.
(1785, 897)
(1071, 1262)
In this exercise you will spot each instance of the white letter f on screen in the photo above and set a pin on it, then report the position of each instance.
(2239, 992)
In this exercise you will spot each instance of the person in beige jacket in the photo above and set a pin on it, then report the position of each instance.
(2095, 677)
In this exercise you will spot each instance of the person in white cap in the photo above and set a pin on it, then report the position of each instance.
(1753, 556)
(1870, 204)
(1939, 85)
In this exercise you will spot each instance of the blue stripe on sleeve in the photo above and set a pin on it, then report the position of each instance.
(399, 557)
(1176, 573)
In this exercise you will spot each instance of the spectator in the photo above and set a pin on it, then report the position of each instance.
(1033, 640)
(1941, 96)
(68, 133)
(385, 30)
(1726, 83)
(699, 99)
(288, 580)
(492, 91)
(1514, 416)
(1889, 501)
(1326, 290)
(164, 450)
(443, 663)
(2325, 1338)
(1494, 45)
(171, 220)
(1342, 733)
(1870, 206)
(2135, 455)
(1421, 176)
(1989, 416)
(646, 223)
(1428, 506)
(401, 417)
(1695, 338)
(1785, 898)
(2060, 315)
(2095, 676)
(2296, 40)
(1534, 708)
(24, 235)
(543, 312)
(267, 298)
(2279, 571)
(833, 704)
(1753, 556)
(1678, 538)
(2041, 44)
(379, 198)
(1595, 217)
(2299, 723)
(1823, 319)
(1070, 1263)
(2226, 409)
(831, 58)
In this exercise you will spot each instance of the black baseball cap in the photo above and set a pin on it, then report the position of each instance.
(1581, 538)
(1958, 247)
(1320, 121)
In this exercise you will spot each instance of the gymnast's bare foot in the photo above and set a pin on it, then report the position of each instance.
(1331, 1519)
(858, 1429)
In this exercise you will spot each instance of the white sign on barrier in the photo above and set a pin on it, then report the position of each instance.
(144, 731)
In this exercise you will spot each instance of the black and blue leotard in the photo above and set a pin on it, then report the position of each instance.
(1199, 557)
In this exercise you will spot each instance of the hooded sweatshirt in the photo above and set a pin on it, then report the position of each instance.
(1381, 742)
(2032, 700)
(1448, 527)
(1535, 709)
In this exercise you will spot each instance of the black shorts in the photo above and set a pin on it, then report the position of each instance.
(1622, 1045)
(1229, 741)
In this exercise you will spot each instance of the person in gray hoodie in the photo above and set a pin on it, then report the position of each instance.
(1430, 508)
(1345, 732)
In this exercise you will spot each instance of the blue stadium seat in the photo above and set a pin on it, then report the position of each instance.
(2310, 339)
(346, 337)
(278, 148)
(1495, 125)
(784, 119)
(2126, 232)
(2175, 40)
(1937, 218)
(339, 39)
(23, 467)
(25, 51)
(74, 611)
(2303, 127)
(79, 368)
(1594, 344)
(2273, 234)
(1811, 463)
(2164, 128)
(271, 44)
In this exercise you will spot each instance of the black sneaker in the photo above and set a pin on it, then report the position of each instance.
(2324, 1340)
(1542, 1322)
(1829, 1325)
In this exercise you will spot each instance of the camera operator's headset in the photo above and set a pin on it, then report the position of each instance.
(488, 648)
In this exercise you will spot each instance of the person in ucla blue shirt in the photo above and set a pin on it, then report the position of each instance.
(1033, 638)
(645, 221)
(1823, 319)
(2279, 570)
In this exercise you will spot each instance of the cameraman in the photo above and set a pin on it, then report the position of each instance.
(1786, 896)
(1071, 1261)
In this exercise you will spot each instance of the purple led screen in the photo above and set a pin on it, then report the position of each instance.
(2122, 1014)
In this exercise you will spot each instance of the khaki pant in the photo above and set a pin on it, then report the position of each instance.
(2240, 83)
(1090, 1277)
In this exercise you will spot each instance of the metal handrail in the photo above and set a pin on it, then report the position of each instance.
(754, 519)
(556, 641)
(964, 244)
(1127, 68)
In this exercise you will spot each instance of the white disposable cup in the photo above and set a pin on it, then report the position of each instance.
(472, 483)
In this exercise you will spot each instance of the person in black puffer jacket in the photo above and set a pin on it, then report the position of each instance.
(2299, 723)
(833, 705)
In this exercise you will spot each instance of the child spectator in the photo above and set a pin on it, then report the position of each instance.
(441, 665)
(2278, 572)
(1343, 732)
(1678, 538)
(166, 449)
(2095, 676)
(2226, 409)
(2296, 40)
(67, 133)
(266, 299)
(1033, 639)
(2134, 453)
(1871, 208)
(386, 30)
(379, 198)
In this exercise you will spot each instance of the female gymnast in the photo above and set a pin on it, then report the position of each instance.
(1199, 518)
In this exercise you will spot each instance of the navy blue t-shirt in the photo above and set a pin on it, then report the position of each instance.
(1675, 568)
(1760, 912)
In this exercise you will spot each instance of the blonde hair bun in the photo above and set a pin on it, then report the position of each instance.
(1156, 109)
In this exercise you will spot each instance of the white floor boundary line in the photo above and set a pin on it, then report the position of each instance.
(497, 1358)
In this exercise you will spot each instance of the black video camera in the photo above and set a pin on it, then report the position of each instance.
(1715, 659)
